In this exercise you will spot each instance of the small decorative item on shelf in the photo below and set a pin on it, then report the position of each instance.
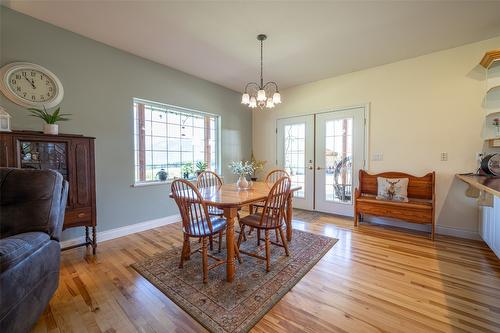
(200, 167)
(4, 120)
(257, 166)
(242, 169)
(50, 126)
(162, 175)
(496, 123)
(187, 170)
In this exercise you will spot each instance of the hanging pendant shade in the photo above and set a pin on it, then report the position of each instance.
(262, 95)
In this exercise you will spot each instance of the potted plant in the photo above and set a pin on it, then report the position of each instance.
(50, 126)
(162, 175)
(257, 166)
(242, 169)
(187, 169)
(200, 167)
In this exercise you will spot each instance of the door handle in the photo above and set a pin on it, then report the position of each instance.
(319, 168)
(311, 167)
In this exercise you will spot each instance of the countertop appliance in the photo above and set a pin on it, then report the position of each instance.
(490, 164)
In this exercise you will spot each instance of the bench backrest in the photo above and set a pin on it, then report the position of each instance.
(418, 187)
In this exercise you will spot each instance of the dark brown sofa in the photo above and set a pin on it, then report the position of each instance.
(32, 204)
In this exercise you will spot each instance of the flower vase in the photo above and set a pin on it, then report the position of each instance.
(242, 183)
(498, 132)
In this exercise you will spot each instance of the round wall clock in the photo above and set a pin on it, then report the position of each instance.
(30, 85)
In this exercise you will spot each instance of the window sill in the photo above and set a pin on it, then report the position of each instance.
(159, 182)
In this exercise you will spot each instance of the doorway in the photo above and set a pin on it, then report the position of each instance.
(323, 154)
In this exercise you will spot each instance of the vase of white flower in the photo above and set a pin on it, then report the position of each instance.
(242, 169)
(242, 182)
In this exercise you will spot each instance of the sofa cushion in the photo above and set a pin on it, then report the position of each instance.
(27, 287)
(16, 248)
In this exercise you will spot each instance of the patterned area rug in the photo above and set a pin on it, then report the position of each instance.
(234, 307)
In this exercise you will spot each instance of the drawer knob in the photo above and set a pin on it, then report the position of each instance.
(81, 215)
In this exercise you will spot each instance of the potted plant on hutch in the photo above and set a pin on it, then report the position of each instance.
(50, 126)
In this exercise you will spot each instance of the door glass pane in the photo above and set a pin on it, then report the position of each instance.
(44, 155)
(295, 160)
(338, 160)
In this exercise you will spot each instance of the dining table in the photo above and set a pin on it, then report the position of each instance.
(230, 198)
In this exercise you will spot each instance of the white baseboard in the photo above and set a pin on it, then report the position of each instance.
(441, 230)
(461, 233)
(126, 230)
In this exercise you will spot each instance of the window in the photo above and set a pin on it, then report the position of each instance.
(168, 137)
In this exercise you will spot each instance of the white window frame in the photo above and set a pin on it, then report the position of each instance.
(177, 109)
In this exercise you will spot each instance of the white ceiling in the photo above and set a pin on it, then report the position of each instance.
(307, 41)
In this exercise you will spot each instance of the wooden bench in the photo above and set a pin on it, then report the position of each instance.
(420, 207)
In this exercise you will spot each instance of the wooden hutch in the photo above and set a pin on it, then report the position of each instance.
(72, 156)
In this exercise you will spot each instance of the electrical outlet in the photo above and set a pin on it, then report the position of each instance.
(444, 156)
(377, 157)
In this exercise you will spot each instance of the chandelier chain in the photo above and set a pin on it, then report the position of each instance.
(261, 64)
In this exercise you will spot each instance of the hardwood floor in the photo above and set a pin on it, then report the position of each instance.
(374, 279)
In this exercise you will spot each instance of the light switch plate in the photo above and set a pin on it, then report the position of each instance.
(377, 157)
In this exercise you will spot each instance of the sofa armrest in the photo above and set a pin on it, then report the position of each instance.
(56, 233)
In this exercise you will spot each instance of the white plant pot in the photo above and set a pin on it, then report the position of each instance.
(51, 129)
(242, 183)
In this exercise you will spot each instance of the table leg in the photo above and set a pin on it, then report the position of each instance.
(230, 215)
(288, 219)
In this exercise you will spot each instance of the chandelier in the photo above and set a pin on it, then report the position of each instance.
(261, 95)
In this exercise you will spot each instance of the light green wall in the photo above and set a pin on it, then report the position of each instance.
(99, 84)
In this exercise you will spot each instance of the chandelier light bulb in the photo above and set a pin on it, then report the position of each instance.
(276, 98)
(270, 103)
(253, 102)
(261, 95)
(245, 99)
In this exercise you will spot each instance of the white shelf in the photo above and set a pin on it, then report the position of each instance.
(492, 84)
(490, 112)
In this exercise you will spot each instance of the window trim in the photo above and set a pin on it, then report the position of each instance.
(218, 154)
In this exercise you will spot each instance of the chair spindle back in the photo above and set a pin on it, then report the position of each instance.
(194, 213)
(208, 179)
(275, 175)
(273, 214)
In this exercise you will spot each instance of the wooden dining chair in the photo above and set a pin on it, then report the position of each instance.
(197, 223)
(211, 179)
(271, 178)
(271, 218)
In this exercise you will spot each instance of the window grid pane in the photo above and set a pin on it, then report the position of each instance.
(338, 158)
(295, 162)
(168, 138)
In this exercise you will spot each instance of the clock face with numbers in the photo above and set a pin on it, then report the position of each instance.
(31, 85)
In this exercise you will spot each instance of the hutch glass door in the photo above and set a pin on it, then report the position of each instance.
(44, 155)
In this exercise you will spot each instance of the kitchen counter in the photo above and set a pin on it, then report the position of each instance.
(483, 183)
(487, 192)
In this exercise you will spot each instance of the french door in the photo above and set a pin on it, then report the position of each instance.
(323, 153)
(295, 154)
